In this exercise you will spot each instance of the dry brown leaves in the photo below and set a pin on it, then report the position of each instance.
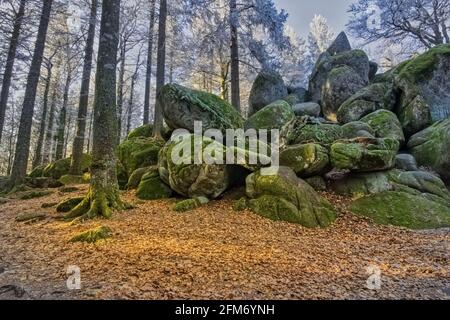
(216, 253)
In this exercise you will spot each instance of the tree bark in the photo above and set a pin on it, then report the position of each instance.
(160, 68)
(235, 90)
(148, 75)
(48, 142)
(103, 196)
(61, 131)
(6, 84)
(19, 169)
(38, 154)
(78, 142)
(120, 86)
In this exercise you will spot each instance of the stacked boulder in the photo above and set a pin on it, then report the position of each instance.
(380, 139)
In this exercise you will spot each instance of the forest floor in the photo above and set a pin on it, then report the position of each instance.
(216, 253)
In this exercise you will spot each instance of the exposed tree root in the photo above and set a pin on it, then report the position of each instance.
(97, 204)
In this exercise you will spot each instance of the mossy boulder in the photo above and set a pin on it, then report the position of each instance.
(376, 96)
(37, 172)
(424, 84)
(307, 130)
(403, 209)
(267, 88)
(431, 148)
(190, 204)
(93, 235)
(278, 194)
(364, 154)
(311, 109)
(152, 187)
(182, 167)
(385, 125)
(183, 106)
(69, 204)
(136, 177)
(273, 116)
(61, 167)
(71, 179)
(341, 83)
(333, 67)
(318, 183)
(414, 182)
(357, 129)
(306, 159)
(139, 152)
(406, 162)
(144, 131)
(340, 44)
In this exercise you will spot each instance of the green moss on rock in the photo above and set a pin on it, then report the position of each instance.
(364, 154)
(273, 116)
(152, 187)
(278, 194)
(306, 159)
(190, 204)
(93, 235)
(404, 210)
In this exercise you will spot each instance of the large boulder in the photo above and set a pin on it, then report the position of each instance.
(364, 154)
(424, 84)
(310, 109)
(413, 182)
(182, 167)
(138, 152)
(407, 162)
(340, 44)
(183, 106)
(273, 116)
(403, 209)
(358, 129)
(306, 160)
(305, 130)
(267, 88)
(431, 148)
(278, 194)
(353, 67)
(60, 168)
(341, 83)
(152, 187)
(386, 125)
(376, 96)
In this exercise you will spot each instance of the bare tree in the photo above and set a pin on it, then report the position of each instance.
(14, 42)
(19, 168)
(78, 143)
(160, 67)
(235, 90)
(148, 75)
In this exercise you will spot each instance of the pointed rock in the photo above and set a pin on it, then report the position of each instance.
(341, 44)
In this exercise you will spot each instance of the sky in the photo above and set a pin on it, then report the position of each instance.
(301, 13)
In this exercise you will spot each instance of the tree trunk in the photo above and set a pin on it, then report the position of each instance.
(120, 86)
(148, 76)
(103, 196)
(10, 64)
(234, 22)
(61, 131)
(224, 70)
(78, 142)
(131, 99)
(160, 67)
(38, 154)
(19, 169)
(48, 142)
